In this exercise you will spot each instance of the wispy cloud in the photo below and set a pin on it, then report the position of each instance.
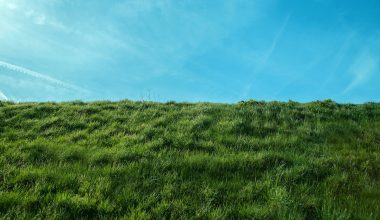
(275, 40)
(41, 76)
(39, 19)
(3, 96)
(267, 55)
(337, 58)
(363, 68)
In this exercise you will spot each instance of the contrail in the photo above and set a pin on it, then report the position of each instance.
(363, 68)
(3, 97)
(276, 39)
(269, 53)
(40, 76)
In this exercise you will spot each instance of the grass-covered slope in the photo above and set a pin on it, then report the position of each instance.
(319, 160)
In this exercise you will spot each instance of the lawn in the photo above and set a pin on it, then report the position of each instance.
(147, 160)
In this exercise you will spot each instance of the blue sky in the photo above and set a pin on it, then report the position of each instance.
(190, 50)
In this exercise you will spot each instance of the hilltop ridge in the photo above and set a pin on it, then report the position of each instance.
(263, 160)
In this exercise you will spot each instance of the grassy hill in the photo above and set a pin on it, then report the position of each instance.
(319, 160)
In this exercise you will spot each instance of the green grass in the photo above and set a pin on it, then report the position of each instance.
(146, 160)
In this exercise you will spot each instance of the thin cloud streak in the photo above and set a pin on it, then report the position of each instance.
(275, 40)
(268, 54)
(3, 96)
(363, 67)
(40, 76)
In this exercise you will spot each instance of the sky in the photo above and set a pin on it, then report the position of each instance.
(190, 50)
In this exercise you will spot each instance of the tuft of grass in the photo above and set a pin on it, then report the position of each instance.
(146, 160)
